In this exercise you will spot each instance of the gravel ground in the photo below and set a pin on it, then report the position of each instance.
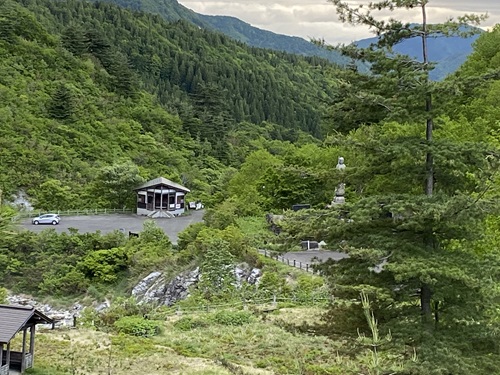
(125, 223)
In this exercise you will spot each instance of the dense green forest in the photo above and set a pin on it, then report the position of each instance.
(175, 60)
(92, 104)
(236, 29)
(89, 86)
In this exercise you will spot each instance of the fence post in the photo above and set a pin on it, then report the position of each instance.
(294, 263)
(307, 267)
(274, 300)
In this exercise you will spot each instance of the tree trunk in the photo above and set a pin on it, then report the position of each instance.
(425, 303)
(425, 289)
(429, 162)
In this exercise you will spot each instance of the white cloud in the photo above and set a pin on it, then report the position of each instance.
(318, 19)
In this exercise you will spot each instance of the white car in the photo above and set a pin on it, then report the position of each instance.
(53, 219)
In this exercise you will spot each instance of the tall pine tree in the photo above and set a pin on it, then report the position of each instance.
(416, 202)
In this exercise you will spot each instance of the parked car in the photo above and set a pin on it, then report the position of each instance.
(53, 219)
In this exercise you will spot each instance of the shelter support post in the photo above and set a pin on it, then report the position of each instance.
(7, 355)
(32, 344)
(23, 353)
(161, 199)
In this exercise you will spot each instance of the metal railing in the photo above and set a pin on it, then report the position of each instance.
(82, 212)
(289, 262)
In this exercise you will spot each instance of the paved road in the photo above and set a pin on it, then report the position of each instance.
(310, 257)
(313, 256)
(109, 223)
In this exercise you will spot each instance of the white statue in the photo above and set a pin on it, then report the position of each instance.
(340, 164)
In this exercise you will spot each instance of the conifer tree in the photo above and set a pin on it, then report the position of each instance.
(75, 40)
(416, 200)
(61, 106)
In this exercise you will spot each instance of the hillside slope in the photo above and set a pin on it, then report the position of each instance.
(235, 28)
(93, 92)
(67, 126)
(182, 63)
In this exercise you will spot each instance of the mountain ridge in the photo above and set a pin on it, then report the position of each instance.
(447, 55)
(172, 10)
(456, 48)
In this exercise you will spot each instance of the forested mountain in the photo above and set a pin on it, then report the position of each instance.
(447, 52)
(91, 90)
(176, 61)
(96, 98)
(233, 27)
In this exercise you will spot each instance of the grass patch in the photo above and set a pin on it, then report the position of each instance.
(222, 342)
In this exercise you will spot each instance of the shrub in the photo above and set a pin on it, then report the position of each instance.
(137, 326)
(103, 266)
(188, 323)
(232, 318)
(121, 307)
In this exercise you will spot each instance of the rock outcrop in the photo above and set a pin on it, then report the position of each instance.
(158, 289)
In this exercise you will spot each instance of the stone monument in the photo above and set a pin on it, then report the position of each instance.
(340, 190)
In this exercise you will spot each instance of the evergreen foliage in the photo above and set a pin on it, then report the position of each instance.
(172, 59)
(98, 98)
(418, 195)
(61, 106)
(86, 86)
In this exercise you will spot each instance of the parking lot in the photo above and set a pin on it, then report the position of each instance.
(123, 222)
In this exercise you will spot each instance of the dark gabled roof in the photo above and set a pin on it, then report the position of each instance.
(162, 181)
(15, 318)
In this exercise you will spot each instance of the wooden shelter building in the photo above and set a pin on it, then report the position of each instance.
(14, 319)
(161, 198)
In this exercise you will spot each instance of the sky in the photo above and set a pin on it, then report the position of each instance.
(317, 18)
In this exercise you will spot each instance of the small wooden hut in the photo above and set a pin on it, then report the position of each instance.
(15, 319)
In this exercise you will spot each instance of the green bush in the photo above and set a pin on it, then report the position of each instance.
(188, 323)
(103, 266)
(137, 326)
(120, 308)
(232, 318)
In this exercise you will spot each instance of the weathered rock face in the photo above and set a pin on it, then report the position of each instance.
(155, 288)
(244, 273)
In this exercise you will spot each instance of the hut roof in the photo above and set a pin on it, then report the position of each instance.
(15, 318)
(162, 181)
